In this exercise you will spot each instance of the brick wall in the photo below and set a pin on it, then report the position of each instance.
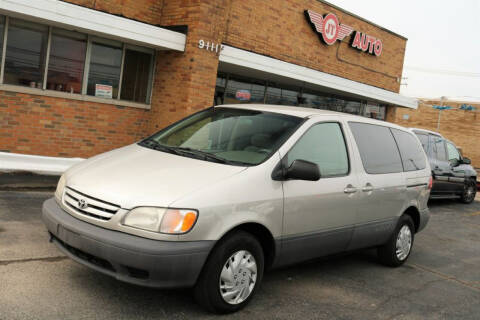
(460, 126)
(39, 125)
(278, 28)
(148, 11)
(185, 81)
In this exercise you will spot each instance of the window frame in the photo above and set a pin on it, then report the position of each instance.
(284, 160)
(89, 38)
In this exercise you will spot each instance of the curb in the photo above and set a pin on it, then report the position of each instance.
(21, 181)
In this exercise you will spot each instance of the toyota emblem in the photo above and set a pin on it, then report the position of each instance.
(82, 204)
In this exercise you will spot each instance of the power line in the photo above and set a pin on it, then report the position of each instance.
(445, 72)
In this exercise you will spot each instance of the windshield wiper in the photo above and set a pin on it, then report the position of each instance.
(189, 152)
(205, 155)
(152, 144)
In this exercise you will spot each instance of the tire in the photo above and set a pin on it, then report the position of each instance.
(469, 191)
(392, 255)
(238, 246)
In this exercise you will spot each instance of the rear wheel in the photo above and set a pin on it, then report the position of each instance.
(231, 275)
(397, 249)
(469, 191)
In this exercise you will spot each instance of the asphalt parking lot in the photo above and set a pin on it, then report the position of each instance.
(441, 279)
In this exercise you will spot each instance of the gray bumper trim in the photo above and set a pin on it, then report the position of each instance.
(146, 262)
(424, 217)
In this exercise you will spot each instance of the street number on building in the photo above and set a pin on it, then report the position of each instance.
(210, 46)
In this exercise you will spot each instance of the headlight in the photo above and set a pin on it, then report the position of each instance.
(163, 220)
(60, 187)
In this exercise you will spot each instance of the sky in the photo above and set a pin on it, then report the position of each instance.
(443, 47)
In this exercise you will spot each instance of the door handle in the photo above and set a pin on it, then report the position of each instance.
(368, 188)
(350, 189)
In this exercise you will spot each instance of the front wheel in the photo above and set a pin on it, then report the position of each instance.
(469, 191)
(231, 275)
(397, 249)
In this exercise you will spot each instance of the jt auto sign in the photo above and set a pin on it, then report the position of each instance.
(330, 30)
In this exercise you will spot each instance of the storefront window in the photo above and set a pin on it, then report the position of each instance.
(136, 76)
(311, 99)
(244, 92)
(374, 111)
(282, 96)
(104, 72)
(26, 53)
(67, 61)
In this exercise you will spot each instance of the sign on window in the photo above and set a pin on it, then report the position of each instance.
(103, 91)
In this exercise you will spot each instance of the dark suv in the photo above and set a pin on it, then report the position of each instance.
(453, 175)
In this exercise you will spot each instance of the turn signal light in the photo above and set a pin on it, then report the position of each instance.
(430, 183)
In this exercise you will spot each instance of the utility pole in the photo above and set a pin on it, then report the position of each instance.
(443, 98)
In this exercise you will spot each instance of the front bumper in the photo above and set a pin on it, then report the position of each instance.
(424, 217)
(129, 258)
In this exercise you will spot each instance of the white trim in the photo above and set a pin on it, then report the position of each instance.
(67, 15)
(72, 96)
(256, 61)
(11, 162)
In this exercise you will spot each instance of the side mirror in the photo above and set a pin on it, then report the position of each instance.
(466, 161)
(303, 170)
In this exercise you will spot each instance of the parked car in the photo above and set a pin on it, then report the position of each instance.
(218, 197)
(453, 175)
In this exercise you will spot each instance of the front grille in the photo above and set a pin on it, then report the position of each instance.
(92, 207)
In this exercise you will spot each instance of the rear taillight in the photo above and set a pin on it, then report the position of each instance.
(430, 183)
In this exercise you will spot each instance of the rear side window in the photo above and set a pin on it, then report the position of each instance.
(324, 145)
(410, 151)
(439, 148)
(377, 147)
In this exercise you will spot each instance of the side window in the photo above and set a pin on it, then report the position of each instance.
(424, 140)
(439, 147)
(324, 145)
(453, 154)
(377, 147)
(410, 151)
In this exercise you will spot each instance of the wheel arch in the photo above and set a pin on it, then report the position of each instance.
(262, 234)
(413, 212)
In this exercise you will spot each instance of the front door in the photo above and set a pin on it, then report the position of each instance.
(319, 215)
(442, 170)
(457, 178)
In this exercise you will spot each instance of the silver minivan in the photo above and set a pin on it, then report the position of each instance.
(215, 199)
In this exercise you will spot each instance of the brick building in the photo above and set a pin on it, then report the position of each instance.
(81, 77)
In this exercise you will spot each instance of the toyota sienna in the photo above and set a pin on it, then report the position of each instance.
(213, 200)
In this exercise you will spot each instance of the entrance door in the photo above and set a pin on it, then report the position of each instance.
(319, 215)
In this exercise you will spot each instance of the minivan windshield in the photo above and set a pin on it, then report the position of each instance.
(226, 135)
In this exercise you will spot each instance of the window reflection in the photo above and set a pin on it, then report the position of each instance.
(66, 63)
(282, 95)
(25, 56)
(104, 74)
(237, 89)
